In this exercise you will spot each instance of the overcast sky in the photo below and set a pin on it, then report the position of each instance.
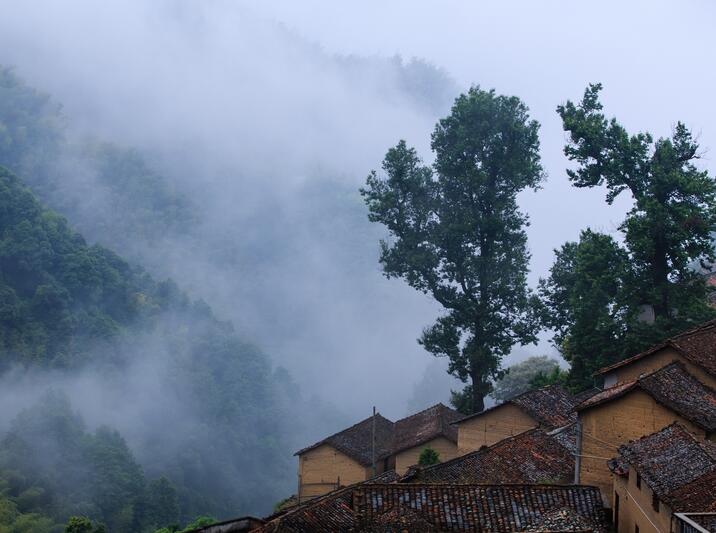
(654, 57)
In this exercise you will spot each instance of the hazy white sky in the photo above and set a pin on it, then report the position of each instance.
(654, 57)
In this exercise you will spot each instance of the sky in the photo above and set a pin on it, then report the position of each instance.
(244, 103)
(654, 59)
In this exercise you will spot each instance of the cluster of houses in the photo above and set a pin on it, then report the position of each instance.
(637, 456)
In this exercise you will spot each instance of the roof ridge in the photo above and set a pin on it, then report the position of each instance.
(437, 405)
(673, 341)
(681, 365)
(704, 325)
(324, 439)
(675, 423)
(520, 395)
(544, 486)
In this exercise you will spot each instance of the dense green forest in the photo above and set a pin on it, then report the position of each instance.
(68, 305)
(215, 435)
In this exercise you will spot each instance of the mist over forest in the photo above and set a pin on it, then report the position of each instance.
(191, 285)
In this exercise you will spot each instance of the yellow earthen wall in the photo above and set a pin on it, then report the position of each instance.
(486, 429)
(321, 469)
(446, 449)
(635, 508)
(609, 425)
(654, 362)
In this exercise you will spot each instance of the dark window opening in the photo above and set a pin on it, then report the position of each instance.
(638, 480)
(636, 528)
(616, 512)
(655, 502)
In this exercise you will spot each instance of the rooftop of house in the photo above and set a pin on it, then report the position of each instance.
(672, 386)
(550, 406)
(697, 345)
(561, 521)
(679, 469)
(392, 437)
(704, 520)
(449, 507)
(235, 525)
(357, 441)
(534, 456)
(389, 476)
(424, 426)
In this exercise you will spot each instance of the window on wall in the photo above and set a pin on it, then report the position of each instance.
(655, 502)
(638, 480)
(636, 528)
(616, 512)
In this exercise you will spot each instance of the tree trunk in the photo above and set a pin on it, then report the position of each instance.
(478, 394)
(660, 279)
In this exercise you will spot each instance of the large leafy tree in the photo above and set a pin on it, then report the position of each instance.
(458, 235)
(607, 300)
(668, 229)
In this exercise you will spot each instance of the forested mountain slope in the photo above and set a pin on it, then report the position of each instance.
(210, 417)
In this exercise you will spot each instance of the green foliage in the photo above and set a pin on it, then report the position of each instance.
(61, 296)
(131, 206)
(669, 228)
(519, 377)
(597, 289)
(31, 126)
(52, 465)
(161, 506)
(428, 457)
(69, 305)
(82, 524)
(586, 303)
(459, 236)
(556, 376)
(200, 521)
(462, 400)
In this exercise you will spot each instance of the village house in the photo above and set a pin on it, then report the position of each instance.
(432, 428)
(695, 349)
(347, 457)
(659, 476)
(534, 456)
(448, 507)
(634, 409)
(547, 408)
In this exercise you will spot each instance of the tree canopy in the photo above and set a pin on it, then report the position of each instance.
(607, 300)
(458, 235)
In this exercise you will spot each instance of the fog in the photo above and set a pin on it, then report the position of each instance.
(262, 113)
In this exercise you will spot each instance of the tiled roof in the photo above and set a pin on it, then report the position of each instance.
(585, 395)
(480, 508)
(678, 468)
(607, 394)
(356, 441)
(549, 406)
(697, 496)
(673, 387)
(392, 437)
(561, 521)
(698, 345)
(389, 476)
(530, 457)
(235, 525)
(421, 427)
